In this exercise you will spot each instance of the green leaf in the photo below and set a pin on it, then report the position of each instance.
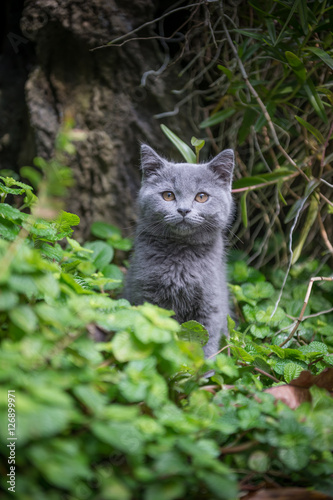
(8, 230)
(295, 457)
(65, 220)
(226, 71)
(271, 29)
(127, 348)
(251, 34)
(24, 317)
(249, 118)
(67, 465)
(112, 271)
(103, 230)
(9, 181)
(192, 331)
(281, 363)
(318, 135)
(221, 486)
(32, 175)
(244, 209)
(260, 332)
(260, 290)
(147, 332)
(75, 245)
(259, 461)
(54, 252)
(23, 283)
(322, 55)
(285, 353)
(90, 397)
(315, 100)
(291, 371)
(10, 212)
(303, 14)
(241, 353)
(167, 489)
(274, 176)
(296, 65)
(218, 117)
(102, 253)
(121, 436)
(182, 147)
(290, 15)
(280, 193)
(198, 145)
(315, 346)
(310, 220)
(124, 244)
(7, 300)
(8, 190)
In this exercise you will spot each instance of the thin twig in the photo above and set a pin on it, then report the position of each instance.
(327, 311)
(267, 375)
(227, 450)
(148, 23)
(306, 300)
(324, 234)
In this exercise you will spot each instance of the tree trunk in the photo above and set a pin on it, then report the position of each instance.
(54, 74)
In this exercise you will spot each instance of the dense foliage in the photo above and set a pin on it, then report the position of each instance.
(261, 76)
(112, 401)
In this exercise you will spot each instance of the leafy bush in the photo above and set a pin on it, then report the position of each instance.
(134, 416)
(259, 80)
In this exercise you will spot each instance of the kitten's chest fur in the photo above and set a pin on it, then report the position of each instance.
(187, 279)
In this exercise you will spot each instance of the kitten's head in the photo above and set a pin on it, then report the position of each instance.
(184, 200)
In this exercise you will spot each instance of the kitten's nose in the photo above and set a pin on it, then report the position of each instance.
(183, 211)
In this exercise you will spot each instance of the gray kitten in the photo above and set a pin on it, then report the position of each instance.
(179, 258)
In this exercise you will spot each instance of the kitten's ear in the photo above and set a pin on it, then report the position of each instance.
(223, 165)
(150, 161)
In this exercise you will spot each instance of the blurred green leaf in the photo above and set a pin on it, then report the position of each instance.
(296, 65)
(103, 230)
(303, 14)
(192, 331)
(310, 220)
(102, 253)
(324, 56)
(317, 134)
(24, 317)
(244, 209)
(217, 118)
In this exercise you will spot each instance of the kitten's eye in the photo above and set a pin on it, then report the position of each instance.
(168, 196)
(201, 197)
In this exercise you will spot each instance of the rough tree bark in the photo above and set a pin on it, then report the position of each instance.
(49, 72)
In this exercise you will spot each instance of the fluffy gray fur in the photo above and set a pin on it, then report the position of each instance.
(179, 257)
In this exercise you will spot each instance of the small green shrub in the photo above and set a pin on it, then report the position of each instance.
(134, 417)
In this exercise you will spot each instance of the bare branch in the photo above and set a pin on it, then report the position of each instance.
(306, 300)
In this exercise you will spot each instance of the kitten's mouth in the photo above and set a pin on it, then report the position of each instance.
(184, 226)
